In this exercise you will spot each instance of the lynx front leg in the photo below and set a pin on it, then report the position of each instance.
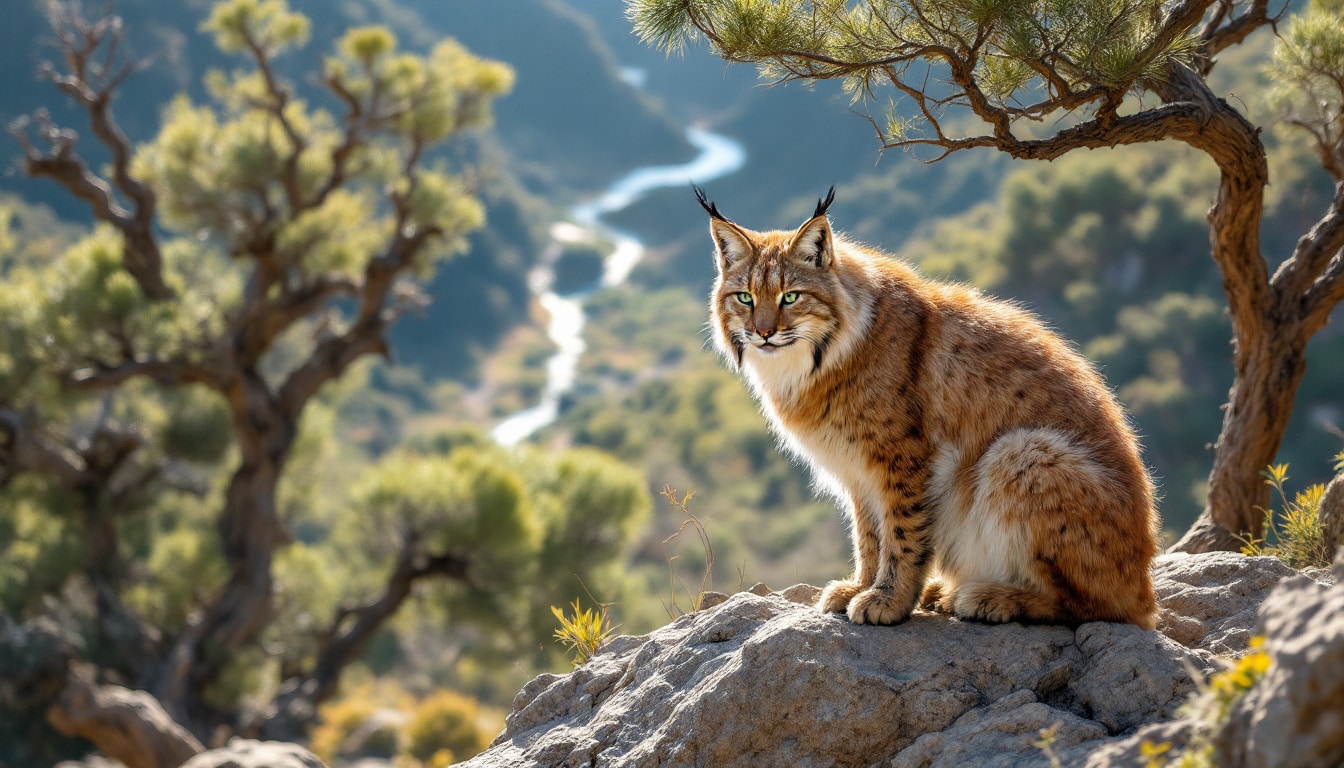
(867, 545)
(903, 565)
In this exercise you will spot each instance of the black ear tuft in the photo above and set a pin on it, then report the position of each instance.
(710, 208)
(825, 203)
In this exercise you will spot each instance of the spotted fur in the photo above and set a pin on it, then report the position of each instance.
(984, 464)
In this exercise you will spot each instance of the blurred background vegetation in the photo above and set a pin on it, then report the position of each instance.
(1110, 247)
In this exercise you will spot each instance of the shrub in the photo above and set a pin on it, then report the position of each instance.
(446, 727)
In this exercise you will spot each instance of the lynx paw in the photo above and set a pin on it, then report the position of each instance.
(835, 598)
(878, 606)
(998, 603)
(934, 596)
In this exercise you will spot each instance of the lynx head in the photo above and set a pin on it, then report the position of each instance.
(775, 302)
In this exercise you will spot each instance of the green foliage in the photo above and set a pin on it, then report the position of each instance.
(1306, 73)
(534, 526)
(6, 238)
(39, 551)
(1025, 55)
(583, 630)
(465, 501)
(280, 225)
(1296, 532)
(266, 24)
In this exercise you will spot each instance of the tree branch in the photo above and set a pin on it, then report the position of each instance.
(92, 86)
(24, 449)
(1216, 37)
(1309, 279)
(166, 372)
(348, 635)
(279, 99)
(259, 326)
(365, 335)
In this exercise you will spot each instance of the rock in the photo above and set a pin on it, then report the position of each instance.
(760, 589)
(1295, 715)
(92, 761)
(1128, 676)
(710, 599)
(1332, 512)
(767, 680)
(803, 594)
(1127, 751)
(698, 691)
(1006, 733)
(1209, 602)
(247, 753)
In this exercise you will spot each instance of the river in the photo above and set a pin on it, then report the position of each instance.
(718, 156)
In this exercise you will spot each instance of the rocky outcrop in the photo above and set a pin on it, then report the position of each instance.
(1295, 715)
(763, 680)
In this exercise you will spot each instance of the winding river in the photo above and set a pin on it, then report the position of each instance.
(718, 156)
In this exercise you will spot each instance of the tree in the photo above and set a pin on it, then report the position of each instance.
(507, 533)
(245, 258)
(1040, 78)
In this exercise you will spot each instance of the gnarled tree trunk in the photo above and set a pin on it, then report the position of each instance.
(250, 532)
(1256, 417)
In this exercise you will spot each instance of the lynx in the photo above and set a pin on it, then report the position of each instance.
(987, 470)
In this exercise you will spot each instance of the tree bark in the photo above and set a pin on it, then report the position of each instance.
(1256, 417)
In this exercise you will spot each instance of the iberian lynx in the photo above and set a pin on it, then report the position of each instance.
(987, 469)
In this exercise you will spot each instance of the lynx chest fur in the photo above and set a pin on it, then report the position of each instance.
(987, 470)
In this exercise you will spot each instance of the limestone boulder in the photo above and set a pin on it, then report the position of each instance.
(247, 753)
(762, 680)
(1210, 602)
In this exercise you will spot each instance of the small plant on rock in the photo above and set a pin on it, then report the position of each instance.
(583, 630)
(1297, 531)
(682, 504)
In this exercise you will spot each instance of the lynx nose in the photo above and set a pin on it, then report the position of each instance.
(765, 331)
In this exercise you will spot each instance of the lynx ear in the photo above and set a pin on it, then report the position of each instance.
(731, 244)
(813, 243)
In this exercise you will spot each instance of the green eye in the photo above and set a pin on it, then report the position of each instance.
(744, 297)
(788, 298)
